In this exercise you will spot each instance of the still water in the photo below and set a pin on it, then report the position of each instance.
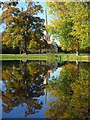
(37, 89)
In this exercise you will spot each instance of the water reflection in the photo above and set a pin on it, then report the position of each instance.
(72, 91)
(64, 97)
(23, 83)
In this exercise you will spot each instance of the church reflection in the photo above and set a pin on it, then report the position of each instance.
(71, 91)
(24, 83)
(38, 86)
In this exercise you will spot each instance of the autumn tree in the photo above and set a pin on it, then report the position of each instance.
(22, 24)
(70, 24)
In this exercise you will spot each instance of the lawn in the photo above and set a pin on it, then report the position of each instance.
(23, 57)
(73, 57)
(49, 57)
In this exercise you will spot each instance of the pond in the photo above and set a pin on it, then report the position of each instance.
(37, 89)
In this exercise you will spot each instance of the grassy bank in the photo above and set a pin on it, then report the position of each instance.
(49, 57)
(73, 57)
(23, 57)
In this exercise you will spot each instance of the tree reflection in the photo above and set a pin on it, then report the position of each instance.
(71, 90)
(24, 84)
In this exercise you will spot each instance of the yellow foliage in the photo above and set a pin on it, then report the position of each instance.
(6, 74)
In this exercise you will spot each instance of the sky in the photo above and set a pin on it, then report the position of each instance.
(23, 4)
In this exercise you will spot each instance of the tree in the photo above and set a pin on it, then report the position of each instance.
(70, 24)
(22, 25)
(79, 15)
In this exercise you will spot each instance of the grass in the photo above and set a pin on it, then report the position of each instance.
(49, 57)
(23, 57)
(73, 57)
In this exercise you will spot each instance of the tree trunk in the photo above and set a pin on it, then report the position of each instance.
(45, 49)
(78, 68)
(77, 49)
(24, 70)
(25, 48)
(25, 44)
(20, 51)
(77, 52)
(40, 49)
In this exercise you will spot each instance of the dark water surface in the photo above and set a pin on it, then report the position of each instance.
(37, 89)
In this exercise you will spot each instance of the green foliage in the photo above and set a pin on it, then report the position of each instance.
(70, 24)
(71, 90)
